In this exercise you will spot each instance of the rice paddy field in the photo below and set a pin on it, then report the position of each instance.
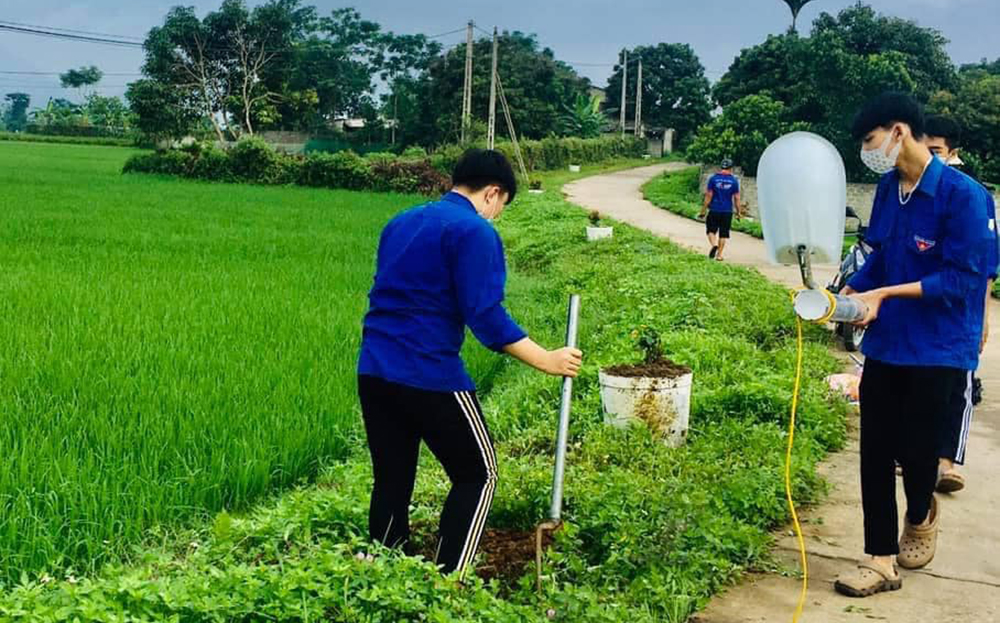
(168, 349)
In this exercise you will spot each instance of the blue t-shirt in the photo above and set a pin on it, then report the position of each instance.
(440, 268)
(942, 238)
(723, 187)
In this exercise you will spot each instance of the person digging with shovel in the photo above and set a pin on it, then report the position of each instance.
(440, 269)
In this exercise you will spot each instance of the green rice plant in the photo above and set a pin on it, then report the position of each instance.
(168, 349)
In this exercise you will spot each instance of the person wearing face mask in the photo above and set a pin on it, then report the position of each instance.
(923, 287)
(439, 269)
(942, 136)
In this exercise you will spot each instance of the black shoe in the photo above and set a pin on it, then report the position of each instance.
(711, 254)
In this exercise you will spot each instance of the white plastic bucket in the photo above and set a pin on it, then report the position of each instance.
(662, 404)
(599, 233)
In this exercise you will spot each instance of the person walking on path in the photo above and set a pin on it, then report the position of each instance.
(722, 200)
(942, 137)
(440, 269)
(923, 287)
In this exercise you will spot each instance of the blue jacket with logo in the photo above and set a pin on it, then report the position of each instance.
(440, 268)
(944, 239)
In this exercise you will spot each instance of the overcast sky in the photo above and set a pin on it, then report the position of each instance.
(587, 33)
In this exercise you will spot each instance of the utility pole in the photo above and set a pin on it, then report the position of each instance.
(638, 100)
(467, 90)
(624, 80)
(395, 114)
(491, 131)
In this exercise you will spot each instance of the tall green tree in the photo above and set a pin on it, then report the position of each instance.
(332, 70)
(15, 118)
(675, 91)
(81, 78)
(229, 65)
(823, 79)
(161, 111)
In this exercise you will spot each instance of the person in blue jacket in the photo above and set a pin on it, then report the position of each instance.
(722, 200)
(943, 138)
(440, 269)
(923, 287)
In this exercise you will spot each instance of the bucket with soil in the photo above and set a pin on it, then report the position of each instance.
(655, 393)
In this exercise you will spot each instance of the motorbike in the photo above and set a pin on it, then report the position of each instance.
(849, 334)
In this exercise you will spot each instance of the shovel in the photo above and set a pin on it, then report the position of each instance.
(555, 511)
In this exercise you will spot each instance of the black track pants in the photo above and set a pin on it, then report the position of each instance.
(902, 412)
(397, 418)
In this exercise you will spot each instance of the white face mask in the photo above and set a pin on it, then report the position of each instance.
(877, 160)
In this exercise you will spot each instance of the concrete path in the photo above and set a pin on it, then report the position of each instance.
(961, 584)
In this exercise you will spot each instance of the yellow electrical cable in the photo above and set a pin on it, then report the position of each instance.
(788, 471)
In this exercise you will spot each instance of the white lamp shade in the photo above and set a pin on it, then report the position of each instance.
(802, 196)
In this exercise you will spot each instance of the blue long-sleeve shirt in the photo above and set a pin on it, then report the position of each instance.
(440, 268)
(942, 238)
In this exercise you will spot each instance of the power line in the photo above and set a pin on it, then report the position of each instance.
(70, 30)
(59, 73)
(69, 36)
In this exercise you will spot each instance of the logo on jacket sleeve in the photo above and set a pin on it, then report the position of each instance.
(923, 244)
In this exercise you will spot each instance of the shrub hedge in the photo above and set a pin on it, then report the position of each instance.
(72, 140)
(253, 160)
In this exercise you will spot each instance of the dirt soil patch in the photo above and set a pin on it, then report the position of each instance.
(662, 368)
(505, 555)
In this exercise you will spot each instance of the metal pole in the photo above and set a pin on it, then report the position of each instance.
(467, 89)
(624, 81)
(555, 513)
(491, 132)
(638, 100)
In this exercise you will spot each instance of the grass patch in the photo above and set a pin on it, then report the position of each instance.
(652, 532)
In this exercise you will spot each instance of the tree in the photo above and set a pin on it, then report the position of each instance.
(976, 106)
(675, 92)
(228, 66)
(15, 117)
(795, 6)
(81, 78)
(405, 69)
(161, 111)
(332, 70)
(109, 114)
(848, 58)
(742, 132)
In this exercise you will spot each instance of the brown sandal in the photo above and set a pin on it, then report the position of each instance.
(950, 482)
(868, 580)
(919, 543)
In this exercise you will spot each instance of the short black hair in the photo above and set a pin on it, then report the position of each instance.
(478, 168)
(944, 127)
(886, 109)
